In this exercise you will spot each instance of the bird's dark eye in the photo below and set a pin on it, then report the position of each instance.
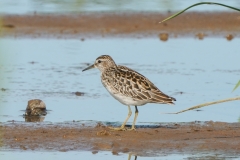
(99, 61)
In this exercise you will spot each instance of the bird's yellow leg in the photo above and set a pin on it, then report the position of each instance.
(135, 118)
(122, 128)
(130, 155)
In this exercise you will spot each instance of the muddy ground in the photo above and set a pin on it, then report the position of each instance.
(142, 24)
(166, 138)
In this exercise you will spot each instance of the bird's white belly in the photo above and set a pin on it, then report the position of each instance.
(125, 99)
(128, 100)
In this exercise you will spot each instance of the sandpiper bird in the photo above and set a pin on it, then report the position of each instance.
(36, 107)
(128, 87)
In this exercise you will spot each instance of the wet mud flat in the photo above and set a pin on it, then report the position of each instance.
(139, 24)
(216, 137)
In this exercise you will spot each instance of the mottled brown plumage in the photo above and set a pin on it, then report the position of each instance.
(35, 107)
(125, 81)
(128, 86)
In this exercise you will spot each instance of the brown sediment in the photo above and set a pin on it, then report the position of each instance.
(135, 24)
(169, 138)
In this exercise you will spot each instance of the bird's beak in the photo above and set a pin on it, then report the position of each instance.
(90, 67)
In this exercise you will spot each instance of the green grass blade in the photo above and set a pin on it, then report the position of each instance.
(237, 85)
(175, 15)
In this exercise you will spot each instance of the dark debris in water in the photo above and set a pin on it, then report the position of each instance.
(79, 93)
(94, 152)
(176, 93)
(150, 126)
(33, 62)
(3, 89)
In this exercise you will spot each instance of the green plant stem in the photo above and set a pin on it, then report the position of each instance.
(197, 5)
(206, 104)
(237, 85)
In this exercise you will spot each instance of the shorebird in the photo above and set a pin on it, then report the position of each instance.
(36, 107)
(128, 87)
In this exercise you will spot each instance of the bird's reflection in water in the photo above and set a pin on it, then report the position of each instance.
(130, 155)
(35, 111)
(34, 118)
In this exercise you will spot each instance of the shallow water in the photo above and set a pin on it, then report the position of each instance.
(38, 155)
(51, 70)
(70, 6)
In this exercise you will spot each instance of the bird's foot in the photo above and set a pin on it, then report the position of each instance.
(122, 128)
(132, 129)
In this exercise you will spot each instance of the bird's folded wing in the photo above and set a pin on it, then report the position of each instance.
(132, 84)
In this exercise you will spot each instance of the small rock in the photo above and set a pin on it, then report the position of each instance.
(79, 93)
(114, 152)
(200, 35)
(94, 152)
(229, 37)
(163, 36)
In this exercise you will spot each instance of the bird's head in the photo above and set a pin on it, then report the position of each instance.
(102, 62)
